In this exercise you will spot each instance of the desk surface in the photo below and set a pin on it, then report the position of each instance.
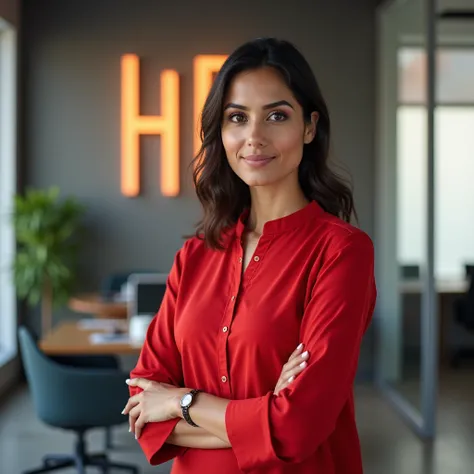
(414, 285)
(69, 338)
(93, 303)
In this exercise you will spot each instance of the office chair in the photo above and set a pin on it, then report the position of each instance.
(89, 362)
(75, 399)
(469, 270)
(410, 271)
(464, 316)
(92, 362)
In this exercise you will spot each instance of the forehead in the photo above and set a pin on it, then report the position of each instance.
(259, 86)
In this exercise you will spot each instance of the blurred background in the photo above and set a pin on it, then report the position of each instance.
(89, 225)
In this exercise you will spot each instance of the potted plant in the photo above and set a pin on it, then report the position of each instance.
(47, 243)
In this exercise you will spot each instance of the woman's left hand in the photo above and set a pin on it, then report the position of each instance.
(158, 402)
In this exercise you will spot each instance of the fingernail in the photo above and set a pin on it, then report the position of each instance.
(127, 381)
(129, 429)
(123, 411)
(136, 437)
(303, 364)
(291, 378)
(304, 355)
(299, 347)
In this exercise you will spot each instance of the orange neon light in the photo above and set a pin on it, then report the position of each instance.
(205, 66)
(134, 125)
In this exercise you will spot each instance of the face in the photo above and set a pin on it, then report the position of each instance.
(263, 129)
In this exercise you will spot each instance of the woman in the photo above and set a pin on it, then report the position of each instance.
(275, 277)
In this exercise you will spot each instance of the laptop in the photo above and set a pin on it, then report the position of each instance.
(146, 293)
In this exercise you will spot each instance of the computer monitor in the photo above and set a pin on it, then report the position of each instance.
(146, 293)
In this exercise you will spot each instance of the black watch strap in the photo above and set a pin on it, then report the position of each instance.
(185, 410)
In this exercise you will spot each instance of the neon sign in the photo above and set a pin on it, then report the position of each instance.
(166, 125)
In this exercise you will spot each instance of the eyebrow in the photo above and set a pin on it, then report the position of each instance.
(265, 107)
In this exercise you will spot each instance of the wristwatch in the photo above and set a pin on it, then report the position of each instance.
(186, 402)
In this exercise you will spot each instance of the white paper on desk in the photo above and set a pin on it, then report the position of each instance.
(92, 323)
(108, 338)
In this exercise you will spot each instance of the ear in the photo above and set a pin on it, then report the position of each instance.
(310, 128)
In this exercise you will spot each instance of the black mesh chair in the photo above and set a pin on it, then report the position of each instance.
(464, 316)
(74, 399)
(469, 269)
(410, 271)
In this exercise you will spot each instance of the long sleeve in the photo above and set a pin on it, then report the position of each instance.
(160, 361)
(288, 428)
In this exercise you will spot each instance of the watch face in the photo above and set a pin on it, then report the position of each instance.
(186, 400)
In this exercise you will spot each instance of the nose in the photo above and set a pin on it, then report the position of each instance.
(256, 137)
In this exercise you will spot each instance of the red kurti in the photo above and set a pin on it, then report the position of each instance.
(311, 280)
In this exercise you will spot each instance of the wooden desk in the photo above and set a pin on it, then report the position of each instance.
(93, 303)
(449, 287)
(68, 338)
(445, 291)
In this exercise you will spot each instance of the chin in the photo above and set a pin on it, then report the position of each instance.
(254, 181)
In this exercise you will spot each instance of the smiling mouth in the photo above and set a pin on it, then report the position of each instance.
(257, 158)
(257, 161)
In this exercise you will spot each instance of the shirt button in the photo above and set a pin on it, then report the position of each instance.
(256, 258)
(240, 259)
(224, 379)
(233, 298)
(225, 329)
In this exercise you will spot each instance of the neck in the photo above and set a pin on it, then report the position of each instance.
(267, 206)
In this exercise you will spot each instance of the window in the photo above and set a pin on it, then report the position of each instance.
(8, 107)
(454, 158)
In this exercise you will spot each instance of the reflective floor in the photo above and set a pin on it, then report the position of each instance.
(388, 446)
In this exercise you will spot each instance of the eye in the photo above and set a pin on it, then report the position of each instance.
(236, 117)
(278, 116)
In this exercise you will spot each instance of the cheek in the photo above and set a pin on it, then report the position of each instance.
(232, 142)
(290, 145)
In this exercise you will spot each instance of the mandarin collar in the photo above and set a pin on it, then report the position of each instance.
(283, 224)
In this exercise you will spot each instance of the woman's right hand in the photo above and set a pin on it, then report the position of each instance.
(295, 365)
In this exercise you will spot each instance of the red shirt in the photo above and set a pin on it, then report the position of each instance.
(310, 280)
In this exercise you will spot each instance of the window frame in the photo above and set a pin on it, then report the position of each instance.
(439, 106)
(8, 180)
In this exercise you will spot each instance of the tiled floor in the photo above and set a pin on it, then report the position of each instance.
(389, 447)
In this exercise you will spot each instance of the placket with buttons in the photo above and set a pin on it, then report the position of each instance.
(238, 282)
(225, 382)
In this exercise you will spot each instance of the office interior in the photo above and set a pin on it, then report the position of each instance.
(398, 76)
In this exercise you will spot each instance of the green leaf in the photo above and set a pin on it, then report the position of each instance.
(47, 231)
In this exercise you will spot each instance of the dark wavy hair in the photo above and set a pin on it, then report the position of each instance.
(223, 195)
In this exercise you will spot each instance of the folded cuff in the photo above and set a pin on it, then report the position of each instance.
(153, 442)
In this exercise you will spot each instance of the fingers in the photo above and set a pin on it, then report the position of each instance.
(136, 418)
(132, 419)
(139, 382)
(132, 401)
(290, 375)
(295, 365)
(298, 361)
(139, 425)
(131, 424)
(135, 412)
(296, 352)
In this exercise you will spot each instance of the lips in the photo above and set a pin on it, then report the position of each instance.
(257, 158)
(257, 161)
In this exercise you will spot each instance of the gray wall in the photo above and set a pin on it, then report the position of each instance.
(72, 104)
